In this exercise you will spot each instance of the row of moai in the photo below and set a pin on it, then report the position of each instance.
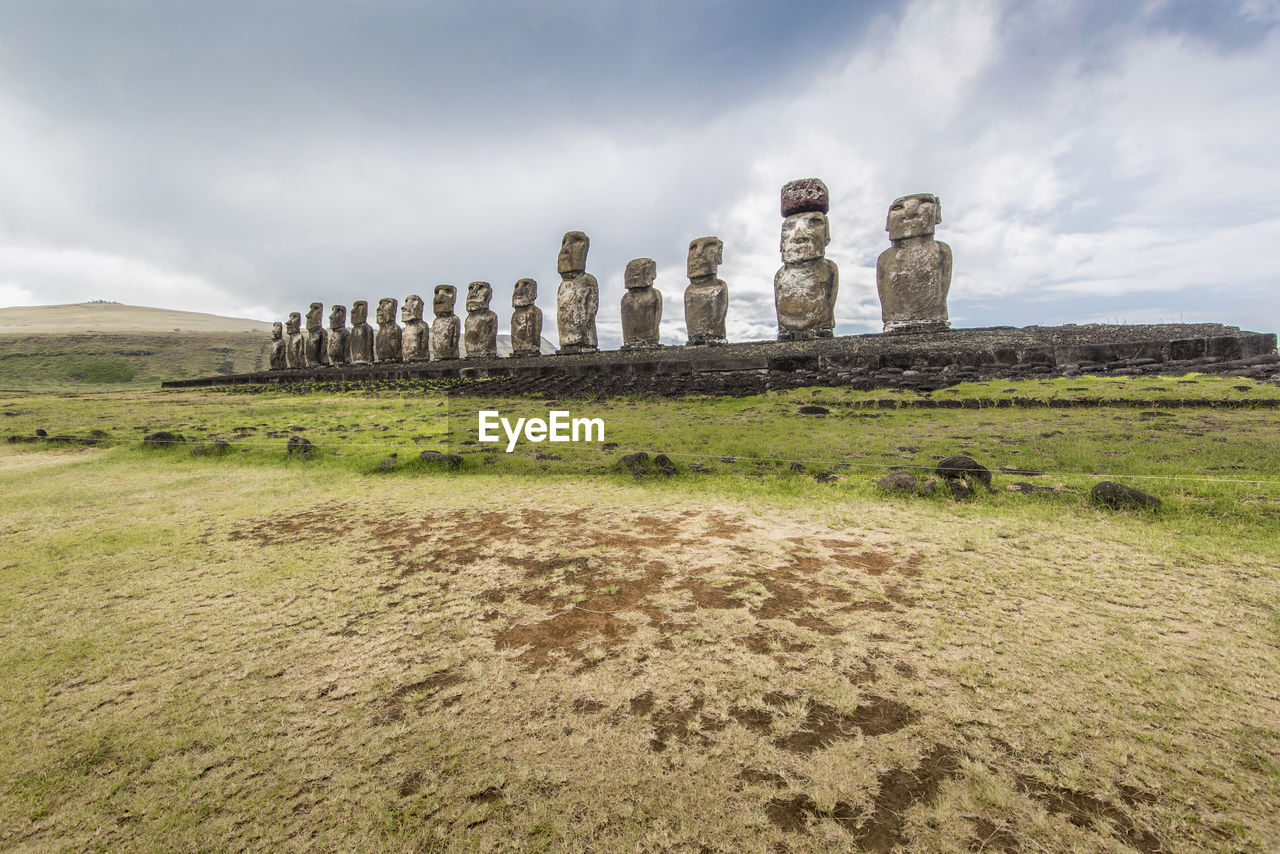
(913, 277)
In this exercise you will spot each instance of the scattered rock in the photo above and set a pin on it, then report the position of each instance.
(41, 432)
(1118, 496)
(158, 439)
(813, 409)
(637, 464)
(216, 448)
(898, 481)
(13, 440)
(964, 468)
(826, 477)
(447, 461)
(798, 468)
(301, 446)
(664, 465)
(959, 487)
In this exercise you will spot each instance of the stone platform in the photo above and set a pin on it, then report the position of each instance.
(933, 359)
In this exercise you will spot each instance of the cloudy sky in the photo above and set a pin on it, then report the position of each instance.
(1107, 161)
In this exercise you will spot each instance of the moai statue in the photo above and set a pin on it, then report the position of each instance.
(706, 300)
(526, 320)
(578, 296)
(804, 290)
(278, 347)
(360, 339)
(386, 341)
(337, 338)
(295, 350)
(444, 329)
(481, 331)
(641, 306)
(416, 338)
(914, 274)
(315, 351)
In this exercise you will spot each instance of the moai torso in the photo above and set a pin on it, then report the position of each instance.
(641, 305)
(526, 320)
(481, 330)
(445, 327)
(360, 338)
(913, 276)
(335, 339)
(706, 300)
(578, 296)
(295, 351)
(386, 341)
(415, 340)
(278, 347)
(804, 289)
(315, 349)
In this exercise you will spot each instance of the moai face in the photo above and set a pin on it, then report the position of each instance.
(804, 237)
(525, 293)
(294, 324)
(478, 296)
(913, 216)
(338, 317)
(387, 311)
(359, 312)
(705, 256)
(412, 309)
(640, 273)
(444, 299)
(573, 253)
(277, 331)
(315, 317)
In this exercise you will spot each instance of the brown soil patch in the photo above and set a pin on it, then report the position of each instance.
(1084, 810)
(899, 789)
(823, 725)
(991, 837)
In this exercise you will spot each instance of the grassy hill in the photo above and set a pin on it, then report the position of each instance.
(114, 317)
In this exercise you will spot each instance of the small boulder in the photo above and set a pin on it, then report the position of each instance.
(1118, 496)
(442, 460)
(301, 446)
(813, 409)
(216, 448)
(898, 481)
(966, 468)
(664, 465)
(162, 439)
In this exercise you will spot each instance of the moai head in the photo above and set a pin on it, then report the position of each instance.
(706, 254)
(913, 216)
(640, 273)
(478, 296)
(315, 317)
(359, 312)
(294, 324)
(338, 317)
(805, 195)
(573, 253)
(443, 301)
(387, 311)
(525, 293)
(804, 237)
(277, 331)
(412, 309)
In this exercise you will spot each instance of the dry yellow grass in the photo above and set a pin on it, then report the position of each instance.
(114, 317)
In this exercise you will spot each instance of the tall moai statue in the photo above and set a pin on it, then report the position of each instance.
(337, 338)
(360, 339)
(913, 275)
(415, 340)
(578, 296)
(481, 331)
(706, 300)
(386, 342)
(641, 306)
(295, 351)
(804, 289)
(315, 351)
(278, 347)
(526, 320)
(444, 329)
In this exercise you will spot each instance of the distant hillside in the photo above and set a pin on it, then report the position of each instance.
(114, 317)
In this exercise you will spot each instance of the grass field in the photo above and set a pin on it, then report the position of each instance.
(539, 651)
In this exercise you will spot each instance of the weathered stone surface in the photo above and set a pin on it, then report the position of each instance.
(415, 337)
(295, 352)
(641, 305)
(481, 329)
(360, 339)
(301, 446)
(578, 297)
(526, 320)
(805, 288)
(898, 481)
(1118, 496)
(386, 342)
(446, 328)
(913, 276)
(278, 347)
(162, 439)
(706, 299)
(805, 195)
(336, 339)
(964, 467)
(315, 351)
(436, 458)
